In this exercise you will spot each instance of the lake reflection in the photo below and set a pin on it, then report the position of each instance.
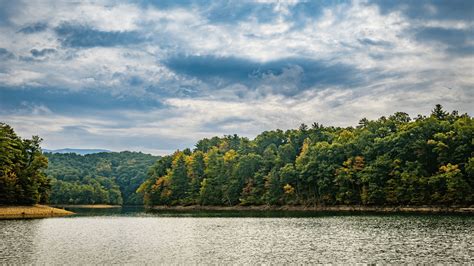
(132, 236)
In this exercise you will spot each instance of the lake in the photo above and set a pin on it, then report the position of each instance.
(131, 235)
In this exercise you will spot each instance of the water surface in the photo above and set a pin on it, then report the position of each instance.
(133, 236)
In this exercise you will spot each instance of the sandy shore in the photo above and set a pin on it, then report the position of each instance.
(28, 212)
(88, 206)
(379, 209)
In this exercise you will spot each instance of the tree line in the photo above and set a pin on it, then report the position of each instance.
(395, 160)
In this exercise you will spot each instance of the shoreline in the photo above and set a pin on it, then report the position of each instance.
(87, 206)
(31, 212)
(373, 209)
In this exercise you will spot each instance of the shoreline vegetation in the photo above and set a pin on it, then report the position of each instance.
(392, 161)
(300, 208)
(30, 212)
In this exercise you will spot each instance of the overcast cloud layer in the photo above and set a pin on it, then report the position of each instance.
(155, 76)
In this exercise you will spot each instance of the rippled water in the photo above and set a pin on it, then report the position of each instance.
(136, 237)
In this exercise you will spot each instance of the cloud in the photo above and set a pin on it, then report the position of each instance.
(232, 12)
(367, 41)
(7, 11)
(34, 28)
(83, 101)
(112, 130)
(426, 9)
(456, 41)
(5, 54)
(71, 35)
(210, 66)
(167, 4)
(301, 73)
(42, 52)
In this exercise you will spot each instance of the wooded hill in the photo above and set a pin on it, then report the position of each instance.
(395, 160)
(105, 178)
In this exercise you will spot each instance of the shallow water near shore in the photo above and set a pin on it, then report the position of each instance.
(131, 235)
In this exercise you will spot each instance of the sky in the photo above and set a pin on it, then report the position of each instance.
(155, 76)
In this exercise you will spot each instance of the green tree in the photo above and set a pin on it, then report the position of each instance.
(196, 168)
(22, 165)
(178, 178)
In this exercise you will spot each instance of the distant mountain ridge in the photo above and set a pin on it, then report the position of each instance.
(77, 151)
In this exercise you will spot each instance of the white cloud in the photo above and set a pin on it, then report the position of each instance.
(20, 77)
(335, 37)
(103, 15)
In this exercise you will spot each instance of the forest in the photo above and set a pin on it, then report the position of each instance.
(100, 178)
(29, 176)
(22, 165)
(394, 160)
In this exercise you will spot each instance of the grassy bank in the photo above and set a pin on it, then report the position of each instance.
(88, 206)
(28, 212)
(375, 209)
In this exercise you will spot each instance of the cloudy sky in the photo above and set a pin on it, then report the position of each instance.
(155, 76)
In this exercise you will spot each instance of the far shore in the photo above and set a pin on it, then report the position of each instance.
(87, 206)
(30, 212)
(342, 208)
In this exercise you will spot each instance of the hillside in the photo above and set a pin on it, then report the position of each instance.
(109, 178)
(395, 160)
